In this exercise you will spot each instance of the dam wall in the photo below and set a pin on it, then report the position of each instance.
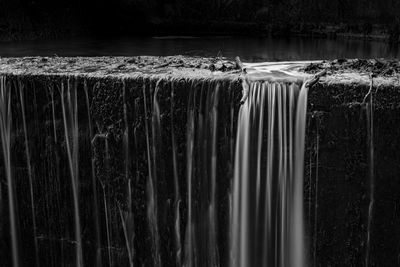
(122, 144)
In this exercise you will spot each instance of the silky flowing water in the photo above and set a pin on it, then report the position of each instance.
(369, 108)
(5, 124)
(152, 172)
(267, 220)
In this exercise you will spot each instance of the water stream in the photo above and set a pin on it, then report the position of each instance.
(267, 221)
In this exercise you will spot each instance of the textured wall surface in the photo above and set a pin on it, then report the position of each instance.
(142, 128)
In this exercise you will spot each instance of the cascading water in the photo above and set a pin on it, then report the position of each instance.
(69, 104)
(5, 131)
(128, 221)
(267, 220)
(28, 162)
(369, 108)
(177, 198)
(201, 230)
(140, 172)
(94, 185)
(195, 243)
(152, 156)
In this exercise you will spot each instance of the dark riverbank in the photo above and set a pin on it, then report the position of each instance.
(376, 32)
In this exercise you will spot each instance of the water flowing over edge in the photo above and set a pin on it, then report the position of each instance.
(274, 112)
(267, 225)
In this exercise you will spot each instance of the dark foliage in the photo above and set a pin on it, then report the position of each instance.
(28, 19)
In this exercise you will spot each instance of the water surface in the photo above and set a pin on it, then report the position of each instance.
(250, 49)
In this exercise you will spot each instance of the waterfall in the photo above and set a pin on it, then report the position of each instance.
(154, 171)
(69, 104)
(267, 198)
(5, 131)
(28, 163)
(153, 145)
(369, 109)
(201, 229)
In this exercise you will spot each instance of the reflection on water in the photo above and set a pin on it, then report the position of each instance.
(248, 48)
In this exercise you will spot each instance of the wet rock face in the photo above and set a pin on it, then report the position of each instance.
(338, 177)
(337, 187)
(132, 169)
(133, 139)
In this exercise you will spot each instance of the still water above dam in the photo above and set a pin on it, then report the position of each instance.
(249, 49)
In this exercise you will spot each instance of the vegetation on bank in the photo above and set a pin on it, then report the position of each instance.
(40, 19)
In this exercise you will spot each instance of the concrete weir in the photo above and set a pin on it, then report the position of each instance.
(129, 161)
